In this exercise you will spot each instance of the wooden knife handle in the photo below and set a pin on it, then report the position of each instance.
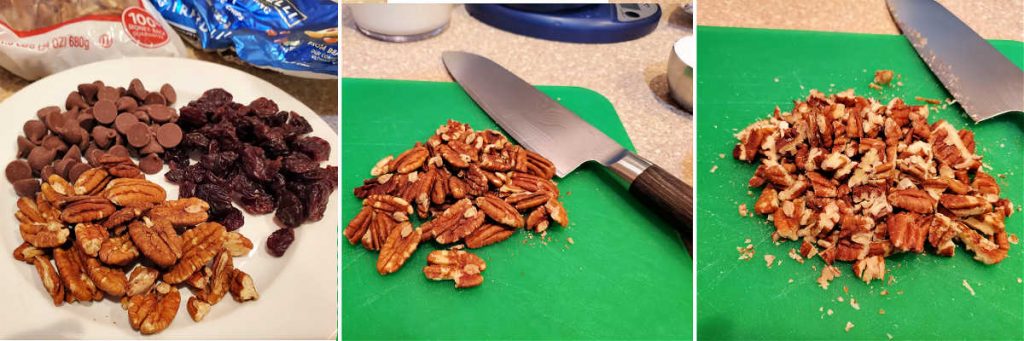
(672, 198)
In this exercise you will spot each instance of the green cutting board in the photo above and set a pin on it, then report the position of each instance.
(626, 275)
(743, 74)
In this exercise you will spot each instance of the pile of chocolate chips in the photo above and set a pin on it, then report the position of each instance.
(256, 156)
(96, 119)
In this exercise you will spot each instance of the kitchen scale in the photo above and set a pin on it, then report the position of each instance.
(574, 23)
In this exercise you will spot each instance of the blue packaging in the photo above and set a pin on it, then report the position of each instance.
(298, 37)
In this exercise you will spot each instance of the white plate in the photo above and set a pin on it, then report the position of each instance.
(298, 292)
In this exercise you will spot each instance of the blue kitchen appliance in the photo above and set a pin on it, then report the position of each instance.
(575, 23)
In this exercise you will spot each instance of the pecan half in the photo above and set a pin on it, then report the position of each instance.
(409, 160)
(458, 265)
(197, 309)
(134, 192)
(181, 212)
(400, 244)
(78, 285)
(357, 227)
(158, 241)
(153, 312)
(121, 217)
(524, 201)
(487, 234)
(454, 223)
(51, 281)
(118, 251)
(141, 280)
(87, 209)
(92, 182)
(44, 234)
(89, 238)
(111, 281)
(500, 211)
(201, 244)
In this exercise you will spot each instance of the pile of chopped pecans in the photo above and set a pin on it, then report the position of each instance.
(857, 181)
(470, 187)
(111, 221)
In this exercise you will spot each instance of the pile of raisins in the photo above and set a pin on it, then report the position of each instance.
(255, 156)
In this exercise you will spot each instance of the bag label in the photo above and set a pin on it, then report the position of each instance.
(143, 28)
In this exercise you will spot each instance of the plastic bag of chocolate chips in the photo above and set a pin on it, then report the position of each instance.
(40, 37)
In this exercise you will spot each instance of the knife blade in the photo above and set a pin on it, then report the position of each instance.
(552, 130)
(981, 79)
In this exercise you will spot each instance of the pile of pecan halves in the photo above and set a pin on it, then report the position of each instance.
(858, 181)
(113, 221)
(470, 187)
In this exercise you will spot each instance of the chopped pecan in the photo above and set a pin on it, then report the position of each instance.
(870, 268)
(158, 241)
(768, 201)
(913, 200)
(965, 205)
(400, 244)
(89, 238)
(906, 232)
(488, 234)
(181, 212)
(51, 281)
(219, 281)
(537, 220)
(986, 186)
(197, 309)
(989, 223)
(557, 212)
(242, 287)
(134, 192)
(941, 231)
(201, 244)
(986, 250)
(458, 265)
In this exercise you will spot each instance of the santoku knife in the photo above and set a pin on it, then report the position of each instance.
(981, 79)
(546, 127)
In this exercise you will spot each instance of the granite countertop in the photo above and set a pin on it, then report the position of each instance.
(623, 72)
(992, 19)
(319, 95)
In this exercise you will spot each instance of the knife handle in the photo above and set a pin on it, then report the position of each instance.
(661, 191)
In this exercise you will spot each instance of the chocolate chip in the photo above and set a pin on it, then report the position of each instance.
(55, 143)
(126, 103)
(156, 98)
(161, 113)
(25, 146)
(17, 170)
(105, 111)
(54, 121)
(26, 187)
(89, 91)
(47, 171)
(73, 133)
(103, 136)
(86, 120)
(169, 94)
(138, 135)
(47, 110)
(108, 93)
(40, 156)
(142, 116)
(35, 130)
(75, 100)
(124, 121)
(169, 135)
(76, 170)
(119, 150)
(61, 167)
(137, 90)
(151, 164)
(73, 153)
(152, 148)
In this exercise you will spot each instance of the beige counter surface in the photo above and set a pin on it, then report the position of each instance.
(992, 19)
(319, 95)
(622, 72)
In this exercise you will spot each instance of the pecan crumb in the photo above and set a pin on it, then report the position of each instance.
(828, 273)
(743, 210)
(881, 311)
(849, 326)
(968, 286)
(927, 100)
(569, 239)
(769, 259)
(746, 253)
(883, 77)
(854, 304)
(830, 312)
